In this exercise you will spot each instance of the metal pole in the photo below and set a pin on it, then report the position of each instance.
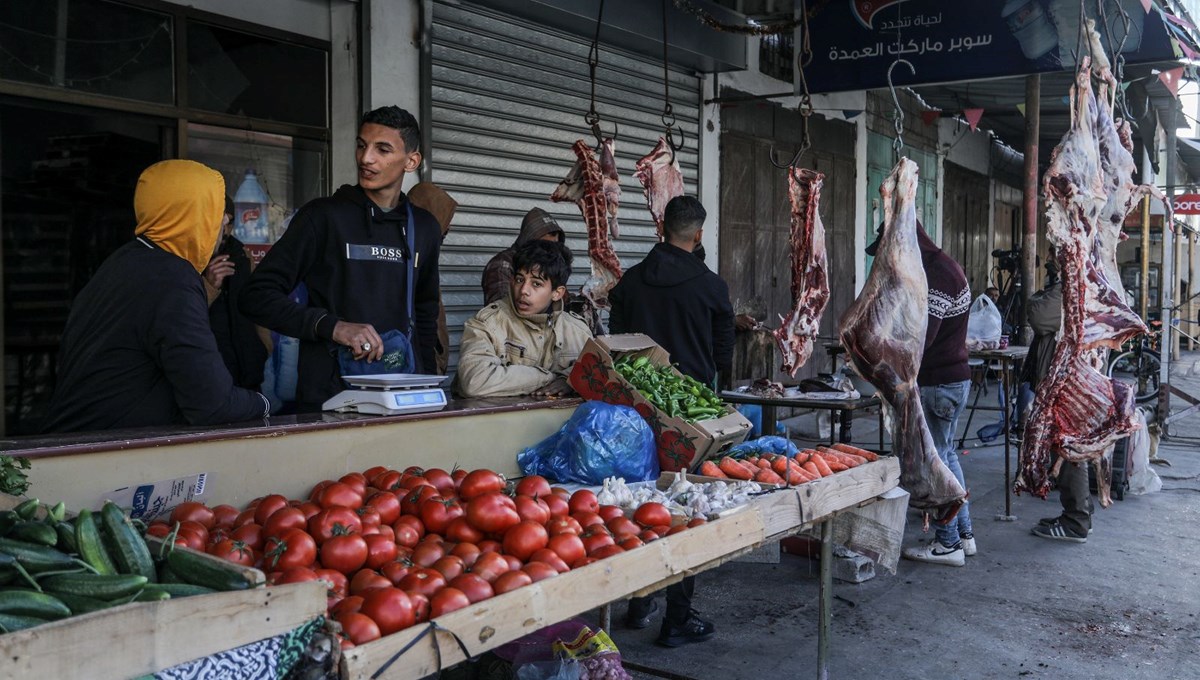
(1177, 285)
(1191, 267)
(1145, 274)
(1166, 287)
(825, 599)
(1029, 203)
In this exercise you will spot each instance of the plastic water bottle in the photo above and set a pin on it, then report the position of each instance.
(250, 208)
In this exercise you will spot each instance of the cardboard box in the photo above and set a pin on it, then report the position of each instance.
(681, 445)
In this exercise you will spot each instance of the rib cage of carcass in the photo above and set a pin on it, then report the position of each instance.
(592, 184)
(1078, 412)
(810, 279)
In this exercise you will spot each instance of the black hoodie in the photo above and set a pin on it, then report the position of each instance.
(682, 305)
(352, 257)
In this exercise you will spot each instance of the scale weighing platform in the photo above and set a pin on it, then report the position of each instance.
(389, 394)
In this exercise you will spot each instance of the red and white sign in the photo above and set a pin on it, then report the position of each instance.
(1186, 204)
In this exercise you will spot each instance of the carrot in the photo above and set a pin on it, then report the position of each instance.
(846, 448)
(733, 469)
(799, 477)
(780, 465)
(763, 463)
(766, 476)
(834, 464)
(710, 469)
(811, 468)
(849, 460)
(822, 465)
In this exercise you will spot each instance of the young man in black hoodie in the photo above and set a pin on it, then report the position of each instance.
(350, 251)
(684, 307)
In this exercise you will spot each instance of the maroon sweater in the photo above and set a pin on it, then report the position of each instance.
(945, 359)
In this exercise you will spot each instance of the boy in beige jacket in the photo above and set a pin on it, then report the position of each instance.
(524, 343)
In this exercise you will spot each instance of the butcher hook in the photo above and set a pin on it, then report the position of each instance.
(898, 115)
(599, 134)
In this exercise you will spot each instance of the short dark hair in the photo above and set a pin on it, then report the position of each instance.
(683, 217)
(401, 120)
(549, 259)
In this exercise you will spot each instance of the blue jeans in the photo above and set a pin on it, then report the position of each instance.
(943, 404)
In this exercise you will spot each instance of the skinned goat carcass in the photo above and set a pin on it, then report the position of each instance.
(883, 332)
(810, 280)
(590, 187)
(658, 172)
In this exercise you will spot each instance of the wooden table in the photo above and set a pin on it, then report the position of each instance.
(844, 407)
(1007, 358)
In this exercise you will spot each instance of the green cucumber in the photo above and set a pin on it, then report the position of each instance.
(82, 604)
(99, 586)
(28, 508)
(152, 595)
(57, 512)
(30, 603)
(180, 589)
(7, 519)
(90, 546)
(34, 532)
(66, 537)
(11, 623)
(126, 547)
(37, 558)
(166, 576)
(203, 570)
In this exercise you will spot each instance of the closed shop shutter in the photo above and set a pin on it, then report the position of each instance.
(508, 102)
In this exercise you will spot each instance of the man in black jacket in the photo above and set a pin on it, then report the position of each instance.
(350, 251)
(684, 307)
(238, 339)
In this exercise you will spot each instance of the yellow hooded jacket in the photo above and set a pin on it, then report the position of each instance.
(179, 205)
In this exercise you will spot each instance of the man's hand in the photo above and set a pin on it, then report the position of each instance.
(745, 322)
(559, 387)
(219, 268)
(361, 338)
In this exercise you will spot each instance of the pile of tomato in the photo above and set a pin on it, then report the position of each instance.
(399, 548)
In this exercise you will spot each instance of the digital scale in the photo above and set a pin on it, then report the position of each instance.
(389, 394)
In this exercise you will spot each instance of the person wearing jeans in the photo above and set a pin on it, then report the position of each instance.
(943, 404)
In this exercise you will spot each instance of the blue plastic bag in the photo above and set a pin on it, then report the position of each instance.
(753, 413)
(599, 440)
(764, 446)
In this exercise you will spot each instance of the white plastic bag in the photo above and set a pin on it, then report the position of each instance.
(984, 324)
(1142, 479)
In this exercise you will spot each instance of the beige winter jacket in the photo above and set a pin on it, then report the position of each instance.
(502, 354)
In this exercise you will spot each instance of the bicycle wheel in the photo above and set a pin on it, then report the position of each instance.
(1139, 370)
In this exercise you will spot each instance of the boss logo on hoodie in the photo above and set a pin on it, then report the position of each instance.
(355, 251)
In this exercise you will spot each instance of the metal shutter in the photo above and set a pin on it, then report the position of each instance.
(508, 101)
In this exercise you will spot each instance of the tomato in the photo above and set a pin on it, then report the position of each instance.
(267, 507)
(324, 524)
(367, 579)
(450, 566)
(548, 556)
(420, 605)
(564, 525)
(217, 535)
(423, 581)
(234, 551)
(386, 504)
(282, 520)
(340, 494)
(511, 580)
(648, 535)
(390, 608)
(695, 522)
(345, 553)
(532, 509)
(622, 527)
(525, 539)
(380, 551)
(661, 530)
(293, 548)
(250, 534)
(606, 551)
(533, 485)
(594, 540)
(195, 512)
(245, 517)
(583, 562)
(315, 494)
(356, 481)
(488, 545)
(458, 474)
(191, 537)
(676, 529)
(489, 566)
(371, 473)
(608, 512)
(568, 547)
(427, 552)
(473, 586)
(410, 482)
(587, 519)
(440, 479)
(492, 513)
(460, 531)
(539, 571)
(467, 552)
(557, 504)
(349, 605)
(158, 529)
(437, 513)
(224, 516)
(561, 492)
(359, 628)
(652, 515)
(631, 542)
(198, 528)
(395, 571)
(339, 585)
(447, 600)
(406, 535)
(410, 503)
(583, 500)
(388, 481)
(414, 470)
(480, 482)
(296, 575)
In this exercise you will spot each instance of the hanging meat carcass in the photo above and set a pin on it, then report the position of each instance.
(658, 172)
(810, 280)
(883, 332)
(593, 185)
(1078, 412)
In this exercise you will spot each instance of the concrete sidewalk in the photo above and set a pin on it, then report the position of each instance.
(1125, 605)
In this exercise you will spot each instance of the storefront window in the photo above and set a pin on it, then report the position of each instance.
(88, 45)
(248, 75)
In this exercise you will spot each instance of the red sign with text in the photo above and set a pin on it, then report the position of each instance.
(1186, 204)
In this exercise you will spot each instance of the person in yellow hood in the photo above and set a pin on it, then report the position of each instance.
(137, 349)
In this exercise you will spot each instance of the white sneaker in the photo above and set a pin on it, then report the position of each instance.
(969, 546)
(936, 553)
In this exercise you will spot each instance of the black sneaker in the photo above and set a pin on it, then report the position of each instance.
(638, 617)
(694, 629)
(1058, 532)
(1055, 520)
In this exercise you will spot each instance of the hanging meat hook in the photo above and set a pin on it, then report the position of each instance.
(898, 112)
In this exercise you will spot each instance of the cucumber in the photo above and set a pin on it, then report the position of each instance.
(126, 547)
(34, 532)
(7, 576)
(152, 595)
(90, 547)
(10, 623)
(27, 509)
(31, 603)
(7, 519)
(81, 604)
(166, 576)
(66, 537)
(180, 589)
(37, 558)
(57, 512)
(99, 586)
(203, 570)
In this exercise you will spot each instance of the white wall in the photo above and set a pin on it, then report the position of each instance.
(961, 146)
(391, 66)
